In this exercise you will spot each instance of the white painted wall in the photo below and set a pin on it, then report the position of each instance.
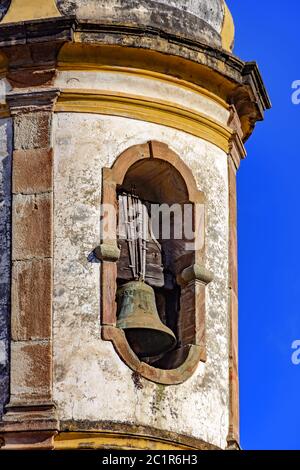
(90, 381)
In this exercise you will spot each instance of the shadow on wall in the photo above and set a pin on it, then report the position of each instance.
(5, 268)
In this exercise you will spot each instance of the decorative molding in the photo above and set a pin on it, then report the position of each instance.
(237, 151)
(34, 100)
(148, 74)
(160, 376)
(213, 68)
(104, 435)
(153, 149)
(29, 426)
(108, 252)
(149, 110)
(30, 419)
(72, 441)
(86, 59)
(28, 10)
(28, 440)
(22, 102)
(196, 272)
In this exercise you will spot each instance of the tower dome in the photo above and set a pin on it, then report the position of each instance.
(207, 21)
(203, 20)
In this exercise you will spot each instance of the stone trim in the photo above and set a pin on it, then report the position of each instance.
(31, 411)
(89, 62)
(32, 101)
(225, 79)
(29, 440)
(235, 156)
(196, 272)
(106, 252)
(147, 110)
(237, 149)
(105, 433)
(143, 47)
(194, 279)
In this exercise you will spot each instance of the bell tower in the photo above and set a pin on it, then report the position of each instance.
(122, 127)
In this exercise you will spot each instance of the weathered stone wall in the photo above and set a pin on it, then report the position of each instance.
(31, 300)
(90, 381)
(5, 253)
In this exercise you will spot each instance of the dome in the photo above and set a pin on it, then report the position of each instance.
(207, 21)
(202, 20)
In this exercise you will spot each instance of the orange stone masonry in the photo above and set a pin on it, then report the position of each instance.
(30, 403)
(238, 152)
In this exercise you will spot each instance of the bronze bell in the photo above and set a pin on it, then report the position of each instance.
(138, 317)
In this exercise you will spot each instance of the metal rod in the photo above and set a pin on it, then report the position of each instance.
(140, 228)
(132, 216)
(137, 225)
(125, 204)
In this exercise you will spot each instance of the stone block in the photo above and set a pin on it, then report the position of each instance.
(32, 130)
(31, 300)
(4, 320)
(31, 371)
(32, 227)
(234, 327)
(32, 171)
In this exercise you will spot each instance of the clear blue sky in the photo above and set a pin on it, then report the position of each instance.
(268, 31)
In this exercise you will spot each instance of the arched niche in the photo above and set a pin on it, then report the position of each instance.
(160, 176)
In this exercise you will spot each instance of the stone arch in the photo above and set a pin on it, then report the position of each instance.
(192, 277)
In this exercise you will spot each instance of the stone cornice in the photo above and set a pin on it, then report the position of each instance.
(103, 434)
(237, 151)
(25, 32)
(240, 83)
(37, 100)
(149, 110)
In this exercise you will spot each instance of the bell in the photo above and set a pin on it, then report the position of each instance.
(138, 317)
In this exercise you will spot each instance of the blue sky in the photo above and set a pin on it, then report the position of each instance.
(269, 261)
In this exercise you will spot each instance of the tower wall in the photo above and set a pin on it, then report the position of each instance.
(86, 100)
(91, 383)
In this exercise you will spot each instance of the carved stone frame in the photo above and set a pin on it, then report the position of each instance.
(195, 277)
